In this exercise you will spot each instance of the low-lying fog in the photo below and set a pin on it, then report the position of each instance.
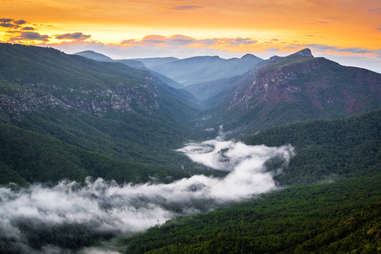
(70, 216)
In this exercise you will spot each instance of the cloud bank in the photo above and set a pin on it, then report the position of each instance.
(73, 36)
(43, 219)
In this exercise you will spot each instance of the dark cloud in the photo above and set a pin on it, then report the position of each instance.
(28, 28)
(5, 20)
(73, 36)
(8, 25)
(30, 36)
(379, 29)
(20, 22)
(239, 41)
(185, 7)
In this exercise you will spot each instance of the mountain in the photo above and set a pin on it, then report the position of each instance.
(132, 63)
(101, 107)
(136, 64)
(201, 69)
(206, 90)
(294, 88)
(94, 56)
(152, 62)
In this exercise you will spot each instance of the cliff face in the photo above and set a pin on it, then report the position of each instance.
(32, 79)
(34, 97)
(300, 87)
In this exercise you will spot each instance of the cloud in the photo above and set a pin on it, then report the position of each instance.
(30, 36)
(185, 7)
(343, 50)
(183, 40)
(379, 28)
(28, 28)
(100, 209)
(20, 22)
(5, 20)
(8, 25)
(73, 36)
(240, 41)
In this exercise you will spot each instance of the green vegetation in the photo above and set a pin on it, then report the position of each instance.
(29, 64)
(26, 156)
(327, 149)
(101, 108)
(341, 217)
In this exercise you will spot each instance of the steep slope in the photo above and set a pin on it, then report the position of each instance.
(328, 149)
(103, 107)
(28, 157)
(294, 88)
(206, 68)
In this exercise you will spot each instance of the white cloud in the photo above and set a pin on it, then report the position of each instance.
(106, 207)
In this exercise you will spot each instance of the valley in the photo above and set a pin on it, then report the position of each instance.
(194, 155)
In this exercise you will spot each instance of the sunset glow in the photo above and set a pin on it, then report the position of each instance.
(347, 30)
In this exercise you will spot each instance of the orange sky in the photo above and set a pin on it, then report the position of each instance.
(340, 27)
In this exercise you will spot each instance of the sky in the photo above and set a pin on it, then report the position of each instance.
(346, 31)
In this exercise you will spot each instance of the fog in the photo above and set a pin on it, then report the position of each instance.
(47, 219)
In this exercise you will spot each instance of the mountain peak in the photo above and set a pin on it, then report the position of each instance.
(94, 56)
(304, 52)
(249, 57)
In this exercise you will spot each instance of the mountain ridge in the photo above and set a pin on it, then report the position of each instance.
(295, 88)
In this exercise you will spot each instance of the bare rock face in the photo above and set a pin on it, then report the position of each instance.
(35, 97)
(34, 79)
(300, 87)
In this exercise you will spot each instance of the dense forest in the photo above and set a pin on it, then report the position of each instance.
(28, 157)
(338, 212)
(328, 149)
(339, 217)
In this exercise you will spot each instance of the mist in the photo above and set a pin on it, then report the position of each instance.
(71, 216)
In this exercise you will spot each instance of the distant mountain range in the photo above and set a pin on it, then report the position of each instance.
(200, 69)
(140, 64)
(187, 71)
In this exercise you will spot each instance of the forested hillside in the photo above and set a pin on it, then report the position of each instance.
(102, 107)
(28, 157)
(328, 149)
(341, 217)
